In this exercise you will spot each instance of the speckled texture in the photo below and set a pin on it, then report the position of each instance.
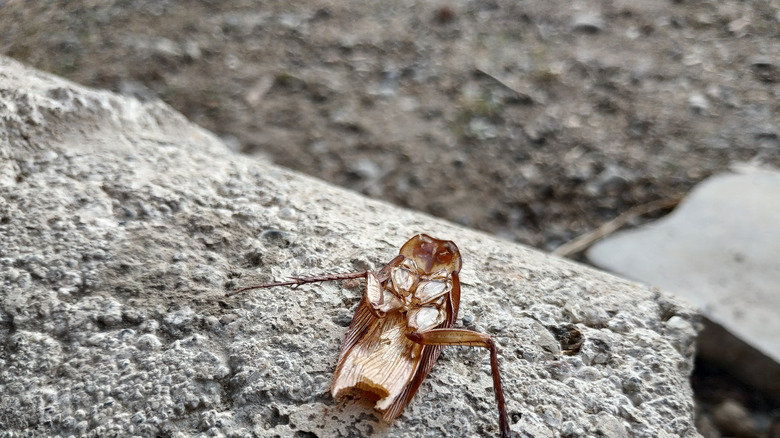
(122, 226)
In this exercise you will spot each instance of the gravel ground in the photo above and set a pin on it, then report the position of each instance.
(537, 121)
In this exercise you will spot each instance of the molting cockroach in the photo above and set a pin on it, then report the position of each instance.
(403, 321)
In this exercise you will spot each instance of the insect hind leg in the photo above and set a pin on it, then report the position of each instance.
(462, 337)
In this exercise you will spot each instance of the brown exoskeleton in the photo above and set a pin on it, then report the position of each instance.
(402, 323)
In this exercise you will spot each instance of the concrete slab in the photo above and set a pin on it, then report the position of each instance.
(123, 225)
(720, 249)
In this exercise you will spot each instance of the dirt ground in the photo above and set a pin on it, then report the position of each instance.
(537, 121)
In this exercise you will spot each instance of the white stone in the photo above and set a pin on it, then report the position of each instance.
(719, 249)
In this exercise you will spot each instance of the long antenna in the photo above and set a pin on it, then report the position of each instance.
(295, 282)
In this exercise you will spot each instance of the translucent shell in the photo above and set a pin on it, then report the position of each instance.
(404, 278)
(428, 291)
(381, 300)
(425, 318)
(432, 255)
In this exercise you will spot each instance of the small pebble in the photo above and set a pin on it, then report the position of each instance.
(732, 417)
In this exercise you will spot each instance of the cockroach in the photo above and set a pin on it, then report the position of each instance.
(403, 322)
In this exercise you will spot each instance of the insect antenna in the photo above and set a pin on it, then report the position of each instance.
(295, 282)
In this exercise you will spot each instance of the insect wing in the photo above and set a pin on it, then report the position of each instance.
(382, 362)
(362, 321)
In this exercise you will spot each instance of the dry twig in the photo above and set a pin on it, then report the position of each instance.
(584, 241)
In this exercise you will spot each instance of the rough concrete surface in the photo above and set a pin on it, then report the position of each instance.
(718, 250)
(123, 225)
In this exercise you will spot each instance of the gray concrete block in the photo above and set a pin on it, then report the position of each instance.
(123, 225)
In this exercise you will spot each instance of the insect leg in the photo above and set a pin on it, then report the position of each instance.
(384, 273)
(295, 282)
(462, 337)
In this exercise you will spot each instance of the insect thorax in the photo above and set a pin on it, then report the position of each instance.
(420, 295)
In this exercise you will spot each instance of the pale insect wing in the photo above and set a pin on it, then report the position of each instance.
(429, 355)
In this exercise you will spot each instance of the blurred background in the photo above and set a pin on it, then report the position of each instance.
(537, 121)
